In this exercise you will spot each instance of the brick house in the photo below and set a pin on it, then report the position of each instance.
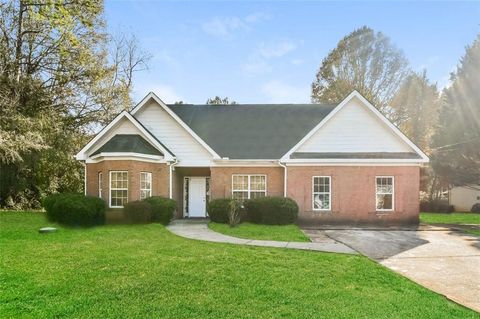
(342, 163)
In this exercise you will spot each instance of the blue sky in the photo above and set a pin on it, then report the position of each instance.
(269, 52)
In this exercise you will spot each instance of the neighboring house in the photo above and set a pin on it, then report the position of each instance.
(342, 163)
(464, 197)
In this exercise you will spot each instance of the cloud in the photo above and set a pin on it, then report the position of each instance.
(431, 61)
(296, 61)
(281, 92)
(224, 27)
(258, 60)
(166, 93)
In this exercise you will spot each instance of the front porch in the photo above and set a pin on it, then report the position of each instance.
(191, 191)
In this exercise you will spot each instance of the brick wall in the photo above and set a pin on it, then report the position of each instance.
(160, 177)
(353, 194)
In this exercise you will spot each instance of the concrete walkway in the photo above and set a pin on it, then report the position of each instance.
(199, 230)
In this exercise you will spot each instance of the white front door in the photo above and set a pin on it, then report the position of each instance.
(197, 197)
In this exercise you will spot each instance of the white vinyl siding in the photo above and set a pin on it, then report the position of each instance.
(172, 134)
(354, 129)
(249, 186)
(321, 193)
(385, 193)
(118, 189)
(145, 185)
(100, 184)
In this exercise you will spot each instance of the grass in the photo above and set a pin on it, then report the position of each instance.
(143, 271)
(262, 232)
(453, 218)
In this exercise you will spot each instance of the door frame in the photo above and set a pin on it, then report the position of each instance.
(185, 199)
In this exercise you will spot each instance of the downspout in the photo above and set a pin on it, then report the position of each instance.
(284, 178)
(170, 186)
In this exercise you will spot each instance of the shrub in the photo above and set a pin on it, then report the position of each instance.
(138, 212)
(475, 208)
(218, 210)
(235, 213)
(436, 206)
(162, 209)
(75, 209)
(272, 210)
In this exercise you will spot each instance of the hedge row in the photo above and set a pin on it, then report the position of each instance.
(150, 210)
(264, 210)
(74, 209)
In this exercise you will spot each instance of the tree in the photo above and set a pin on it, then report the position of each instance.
(415, 109)
(457, 141)
(61, 75)
(219, 101)
(365, 61)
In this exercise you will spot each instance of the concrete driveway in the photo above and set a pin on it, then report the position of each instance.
(441, 259)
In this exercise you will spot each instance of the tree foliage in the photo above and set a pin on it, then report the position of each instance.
(219, 101)
(365, 61)
(415, 109)
(61, 75)
(457, 140)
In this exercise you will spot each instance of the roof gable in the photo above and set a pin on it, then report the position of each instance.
(123, 123)
(354, 127)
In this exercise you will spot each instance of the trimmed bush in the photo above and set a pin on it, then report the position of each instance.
(138, 212)
(162, 209)
(436, 206)
(75, 209)
(475, 208)
(272, 210)
(218, 210)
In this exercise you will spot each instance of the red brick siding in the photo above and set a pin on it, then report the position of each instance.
(160, 177)
(353, 194)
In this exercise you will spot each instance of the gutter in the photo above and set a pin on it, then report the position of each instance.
(284, 178)
(84, 178)
(171, 168)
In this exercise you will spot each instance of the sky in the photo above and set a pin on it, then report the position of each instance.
(270, 51)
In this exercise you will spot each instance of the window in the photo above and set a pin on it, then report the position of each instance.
(118, 188)
(145, 185)
(384, 193)
(249, 186)
(100, 182)
(321, 194)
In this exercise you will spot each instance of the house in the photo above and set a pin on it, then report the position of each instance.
(464, 197)
(342, 163)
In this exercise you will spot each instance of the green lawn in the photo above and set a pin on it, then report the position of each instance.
(263, 232)
(453, 218)
(144, 271)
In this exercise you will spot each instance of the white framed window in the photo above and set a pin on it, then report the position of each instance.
(249, 186)
(321, 193)
(118, 188)
(100, 184)
(145, 185)
(385, 193)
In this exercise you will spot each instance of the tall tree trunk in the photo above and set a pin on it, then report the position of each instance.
(19, 42)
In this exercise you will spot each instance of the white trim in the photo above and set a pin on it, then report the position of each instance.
(125, 157)
(285, 175)
(110, 188)
(352, 160)
(84, 178)
(82, 155)
(353, 164)
(153, 96)
(393, 194)
(329, 209)
(171, 168)
(149, 174)
(100, 184)
(127, 154)
(249, 191)
(424, 158)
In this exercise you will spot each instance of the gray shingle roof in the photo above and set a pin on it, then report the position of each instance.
(359, 155)
(252, 131)
(128, 143)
